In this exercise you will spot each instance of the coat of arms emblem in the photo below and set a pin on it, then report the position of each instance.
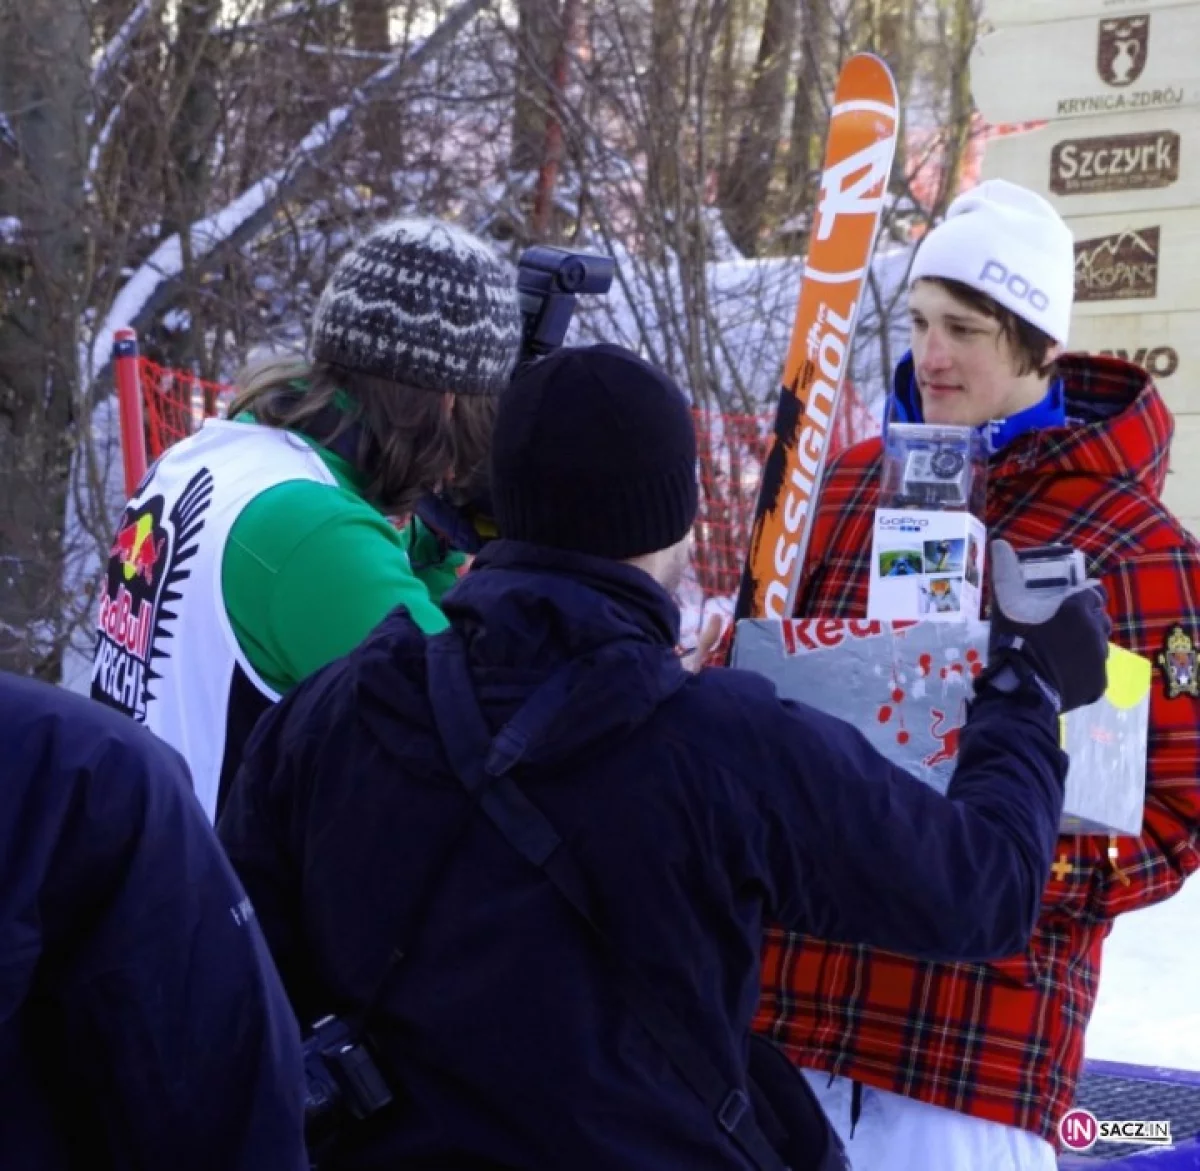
(1122, 48)
(1179, 666)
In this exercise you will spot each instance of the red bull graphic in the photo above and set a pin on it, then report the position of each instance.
(811, 634)
(128, 606)
(913, 684)
(127, 622)
(137, 550)
(946, 737)
(147, 565)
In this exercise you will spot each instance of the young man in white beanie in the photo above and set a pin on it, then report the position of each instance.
(262, 547)
(941, 1067)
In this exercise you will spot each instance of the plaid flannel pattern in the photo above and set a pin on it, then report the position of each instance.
(1004, 1040)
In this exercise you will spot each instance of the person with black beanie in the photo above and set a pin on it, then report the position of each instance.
(528, 860)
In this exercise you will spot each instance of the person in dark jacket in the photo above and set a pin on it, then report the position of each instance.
(142, 1022)
(530, 858)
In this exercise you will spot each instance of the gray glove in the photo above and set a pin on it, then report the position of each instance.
(1048, 620)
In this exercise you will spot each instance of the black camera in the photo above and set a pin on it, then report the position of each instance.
(548, 281)
(341, 1080)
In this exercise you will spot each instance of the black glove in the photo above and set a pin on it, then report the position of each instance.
(1059, 634)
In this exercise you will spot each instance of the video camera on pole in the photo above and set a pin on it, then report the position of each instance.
(548, 281)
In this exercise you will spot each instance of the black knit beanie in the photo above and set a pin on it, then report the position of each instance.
(594, 451)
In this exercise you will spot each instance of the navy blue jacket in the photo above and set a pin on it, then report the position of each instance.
(142, 1023)
(697, 806)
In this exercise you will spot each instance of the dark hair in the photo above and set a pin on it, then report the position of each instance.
(1029, 344)
(408, 443)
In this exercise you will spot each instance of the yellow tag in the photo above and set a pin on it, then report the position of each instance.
(1128, 678)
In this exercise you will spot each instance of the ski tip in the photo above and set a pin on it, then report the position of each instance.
(865, 77)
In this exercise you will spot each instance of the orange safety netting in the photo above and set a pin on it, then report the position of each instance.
(176, 403)
(731, 448)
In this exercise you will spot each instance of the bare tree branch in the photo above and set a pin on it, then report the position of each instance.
(211, 240)
(114, 52)
(283, 16)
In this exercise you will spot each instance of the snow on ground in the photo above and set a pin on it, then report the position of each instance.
(1147, 1012)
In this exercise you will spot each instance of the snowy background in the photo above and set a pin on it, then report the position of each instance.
(1147, 1012)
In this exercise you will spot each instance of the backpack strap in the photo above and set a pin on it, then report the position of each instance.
(483, 765)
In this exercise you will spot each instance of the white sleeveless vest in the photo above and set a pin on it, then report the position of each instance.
(166, 653)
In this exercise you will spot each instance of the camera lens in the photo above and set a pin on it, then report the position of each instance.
(572, 275)
(946, 463)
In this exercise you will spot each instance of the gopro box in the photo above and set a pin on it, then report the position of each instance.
(928, 541)
(925, 565)
(905, 686)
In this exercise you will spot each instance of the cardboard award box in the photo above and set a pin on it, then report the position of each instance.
(905, 685)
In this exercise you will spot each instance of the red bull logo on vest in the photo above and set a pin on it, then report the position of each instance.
(137, 562)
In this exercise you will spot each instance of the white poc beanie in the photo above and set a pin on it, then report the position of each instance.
(1009, 243)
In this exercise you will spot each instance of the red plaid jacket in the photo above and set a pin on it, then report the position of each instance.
(1004, 1041)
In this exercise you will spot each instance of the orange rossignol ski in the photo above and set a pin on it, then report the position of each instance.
(858, 161)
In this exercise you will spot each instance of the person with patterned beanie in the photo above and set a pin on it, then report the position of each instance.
(269, 543)
(942, 1066)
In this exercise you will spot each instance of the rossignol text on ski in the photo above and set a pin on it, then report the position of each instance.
(863, 129)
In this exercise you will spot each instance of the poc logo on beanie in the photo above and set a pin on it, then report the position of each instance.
(1015, 283)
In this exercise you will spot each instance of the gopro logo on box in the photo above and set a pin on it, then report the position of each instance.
(903, 524)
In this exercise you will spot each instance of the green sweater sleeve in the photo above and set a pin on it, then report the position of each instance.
(309, 570)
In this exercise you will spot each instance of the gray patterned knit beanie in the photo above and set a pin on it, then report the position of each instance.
(423, 303)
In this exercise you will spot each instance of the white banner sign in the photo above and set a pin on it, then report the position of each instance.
(1095, 166)
(1166, 345)
(1002, 12)
(1182, 494)
(1090, 66)
(1137, 262)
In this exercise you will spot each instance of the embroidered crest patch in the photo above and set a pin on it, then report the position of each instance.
(1179, 667)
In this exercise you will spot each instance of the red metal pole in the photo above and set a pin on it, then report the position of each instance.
(129, 400)
(552, 148)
